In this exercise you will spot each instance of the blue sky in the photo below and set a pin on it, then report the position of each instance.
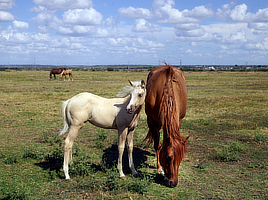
(91, 32)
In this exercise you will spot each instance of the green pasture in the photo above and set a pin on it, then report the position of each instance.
(227, 120)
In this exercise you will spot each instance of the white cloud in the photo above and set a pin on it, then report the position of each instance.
(20, 25)
(132, 12)
(261, 26)
(141, 25)
(193, 44)
(6, 4)
(238, 37)
(199, 12)
(11, 37)
(41, 37)
(82, 17)
(64, 30)
(64, 4)
(224, 11)
(191, 33)
(187, 26)
(239, 13)
(223, 47)
(6, 16)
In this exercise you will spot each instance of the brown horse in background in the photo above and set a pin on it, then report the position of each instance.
(67, 72)
(55, 71)
(165, 106)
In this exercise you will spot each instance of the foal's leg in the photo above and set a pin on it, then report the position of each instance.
(68, 148)
(130, 150)
(121, 146)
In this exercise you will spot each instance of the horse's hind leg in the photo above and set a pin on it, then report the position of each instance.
(68, 148)
(130, 150)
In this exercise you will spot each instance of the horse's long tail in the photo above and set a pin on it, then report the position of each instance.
(64, 118)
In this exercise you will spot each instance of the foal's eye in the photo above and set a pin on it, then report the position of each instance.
(140, 95)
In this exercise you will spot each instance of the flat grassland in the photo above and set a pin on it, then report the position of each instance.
(227, 119)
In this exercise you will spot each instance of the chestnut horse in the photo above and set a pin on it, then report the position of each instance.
(165, 106)
(67, 72)
(55, 71)
(121, 113)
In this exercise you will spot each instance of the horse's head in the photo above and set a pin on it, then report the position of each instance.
(171, 155)
(137, 96)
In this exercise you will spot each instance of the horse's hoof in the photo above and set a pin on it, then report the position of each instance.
(122, 177)
(161, 171)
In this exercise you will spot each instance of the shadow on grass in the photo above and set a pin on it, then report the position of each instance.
(110, 157)
(54, 161)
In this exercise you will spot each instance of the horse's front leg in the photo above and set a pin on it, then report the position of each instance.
(122, 134)
(130, 150)
(154, 129)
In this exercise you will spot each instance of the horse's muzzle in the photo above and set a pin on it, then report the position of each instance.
(171, 184)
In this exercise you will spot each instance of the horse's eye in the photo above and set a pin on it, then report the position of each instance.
(140, 95)
(168, 158)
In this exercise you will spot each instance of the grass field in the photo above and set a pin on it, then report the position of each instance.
(227, 119)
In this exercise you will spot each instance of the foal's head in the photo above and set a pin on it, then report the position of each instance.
(137, 96)
(171, 155)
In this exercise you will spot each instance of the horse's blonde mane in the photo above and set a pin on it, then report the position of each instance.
(127, 89)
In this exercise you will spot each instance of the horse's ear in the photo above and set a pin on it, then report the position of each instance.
(186, 140)
(142, 83)
(130, 83)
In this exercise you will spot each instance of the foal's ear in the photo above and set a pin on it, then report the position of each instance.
(130, 83)
(142, 83)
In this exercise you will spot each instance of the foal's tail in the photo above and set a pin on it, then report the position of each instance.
(64, 119)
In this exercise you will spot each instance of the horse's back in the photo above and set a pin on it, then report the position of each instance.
(156, 83)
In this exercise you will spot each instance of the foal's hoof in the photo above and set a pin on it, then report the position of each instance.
(122, 177)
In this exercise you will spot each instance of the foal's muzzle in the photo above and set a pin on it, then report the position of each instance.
(130, 110)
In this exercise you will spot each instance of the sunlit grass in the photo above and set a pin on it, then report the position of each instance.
(226, 113)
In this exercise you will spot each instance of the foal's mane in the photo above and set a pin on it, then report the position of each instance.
(127, 89)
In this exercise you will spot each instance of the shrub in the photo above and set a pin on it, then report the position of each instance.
(230, 152)
(112, 182)
(80, 169)
(30, 153)
(15, 193)
(140, 186)
(260, 139)
(11, 159)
